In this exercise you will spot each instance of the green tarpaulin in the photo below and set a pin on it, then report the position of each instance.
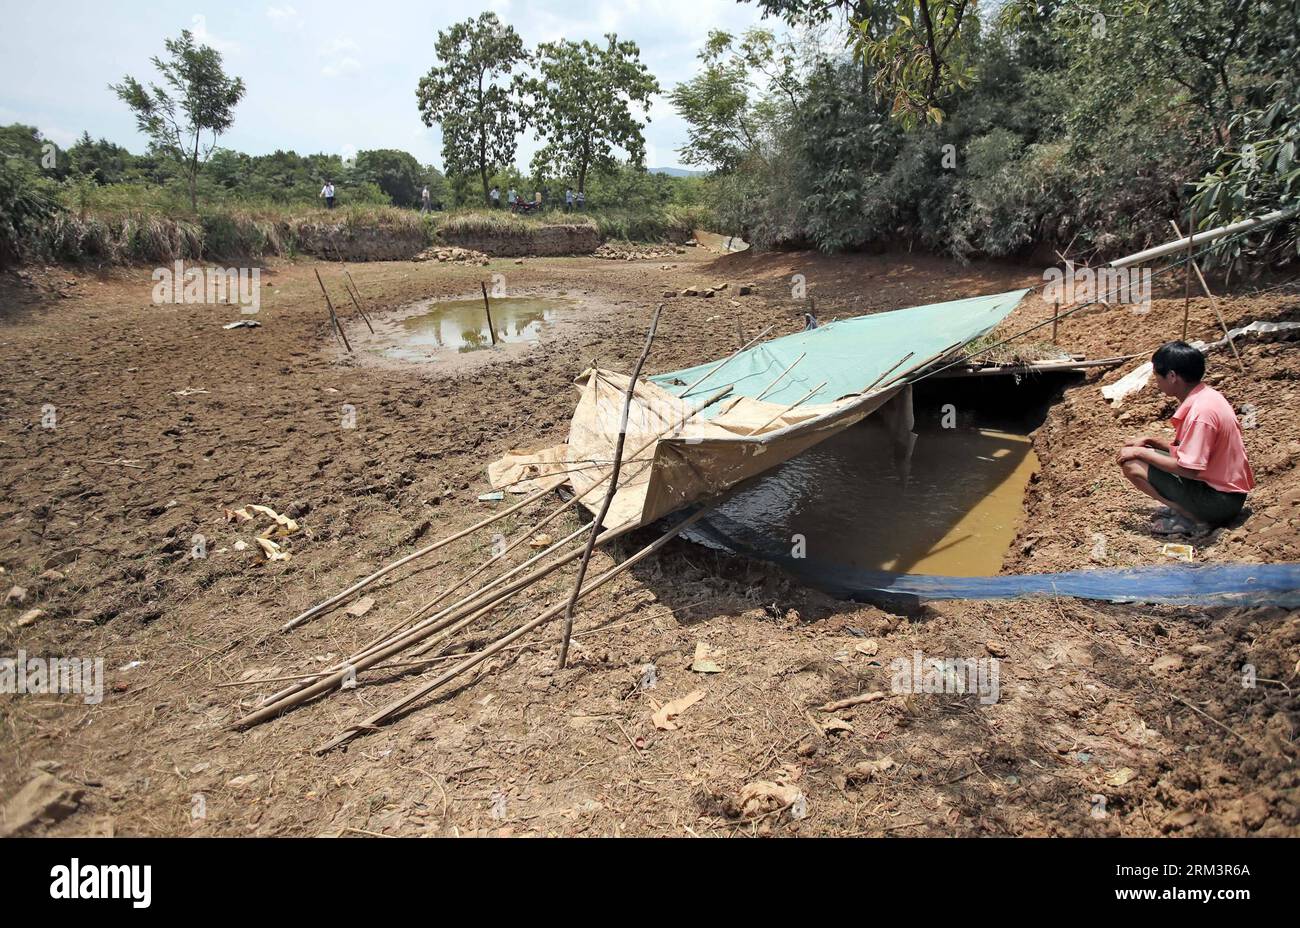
(849, 353)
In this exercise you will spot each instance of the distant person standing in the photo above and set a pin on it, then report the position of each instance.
(328, 193)
(512, 198)
(425, 200)
(580, 198)
(568, 199)
(495, 196)
(537, 201)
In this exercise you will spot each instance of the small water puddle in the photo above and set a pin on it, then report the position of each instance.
(461, 325)
(956, 514)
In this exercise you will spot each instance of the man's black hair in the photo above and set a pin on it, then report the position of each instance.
(1181, 358)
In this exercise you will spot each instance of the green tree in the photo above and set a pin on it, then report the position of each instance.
(26, 200)
(101, 161)
(726, 119)
(919, 61)
(474, 95)
(26, 142)
(397, 173)
(582, 106)
(197, 97)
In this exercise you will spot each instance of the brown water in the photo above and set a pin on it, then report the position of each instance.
(461, 325)
(955, 514)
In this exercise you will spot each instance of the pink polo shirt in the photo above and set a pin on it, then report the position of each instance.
(1207, 439)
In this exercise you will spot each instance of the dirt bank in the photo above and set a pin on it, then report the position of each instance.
(540, 241)
(162, 420)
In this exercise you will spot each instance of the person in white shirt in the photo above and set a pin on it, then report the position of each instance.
(425, 205)
(328, 193)
(495, 196)
(512, 198)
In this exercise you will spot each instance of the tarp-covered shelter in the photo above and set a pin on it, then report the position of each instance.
(676, 453)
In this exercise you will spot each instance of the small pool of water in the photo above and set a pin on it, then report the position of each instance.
(462, 325)
(955, 514)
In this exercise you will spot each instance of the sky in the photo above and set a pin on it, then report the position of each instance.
(335, 77)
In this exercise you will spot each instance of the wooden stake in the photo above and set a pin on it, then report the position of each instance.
(333, 315)
(1195, 265)
(488, 309)
(1056, 318)
(355, 294)
(1187, 274)
(609, 494)
(546, 616)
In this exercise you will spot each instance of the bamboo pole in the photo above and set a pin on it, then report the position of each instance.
(577, 498)
(433, 624)
(492, 331)
(415, 635)
(890, 371)
(1056, 318)
(546, 616)
(568, 504)
(1195, 265)
(609, 494)
(797, 403)
(355, 294)
(333, 315)
(444, 616)
(1201, 238)
(781, 376)
(937, 356)
(365, 582)
(731, 357)
(469, 597)
(1187, 276)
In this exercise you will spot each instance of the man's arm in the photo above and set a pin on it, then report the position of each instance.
(1148, 441)
(1165, 462)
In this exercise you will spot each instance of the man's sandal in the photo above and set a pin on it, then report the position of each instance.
(1174, 525)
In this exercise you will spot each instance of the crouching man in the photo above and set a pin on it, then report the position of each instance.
(1202, 476)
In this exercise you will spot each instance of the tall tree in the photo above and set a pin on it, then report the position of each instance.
(397, 173)
(474, 96)
(921, 59)
(582, 106)
(197, 97)
(726, 120)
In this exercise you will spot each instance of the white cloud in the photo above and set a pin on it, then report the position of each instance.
(199, 27)
(284, 17)
(340, 61)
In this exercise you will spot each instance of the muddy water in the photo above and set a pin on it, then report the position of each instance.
(955, 514)
(461, 325)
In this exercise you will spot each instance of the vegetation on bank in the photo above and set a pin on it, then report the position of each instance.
(98, 202)
(994, 129)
